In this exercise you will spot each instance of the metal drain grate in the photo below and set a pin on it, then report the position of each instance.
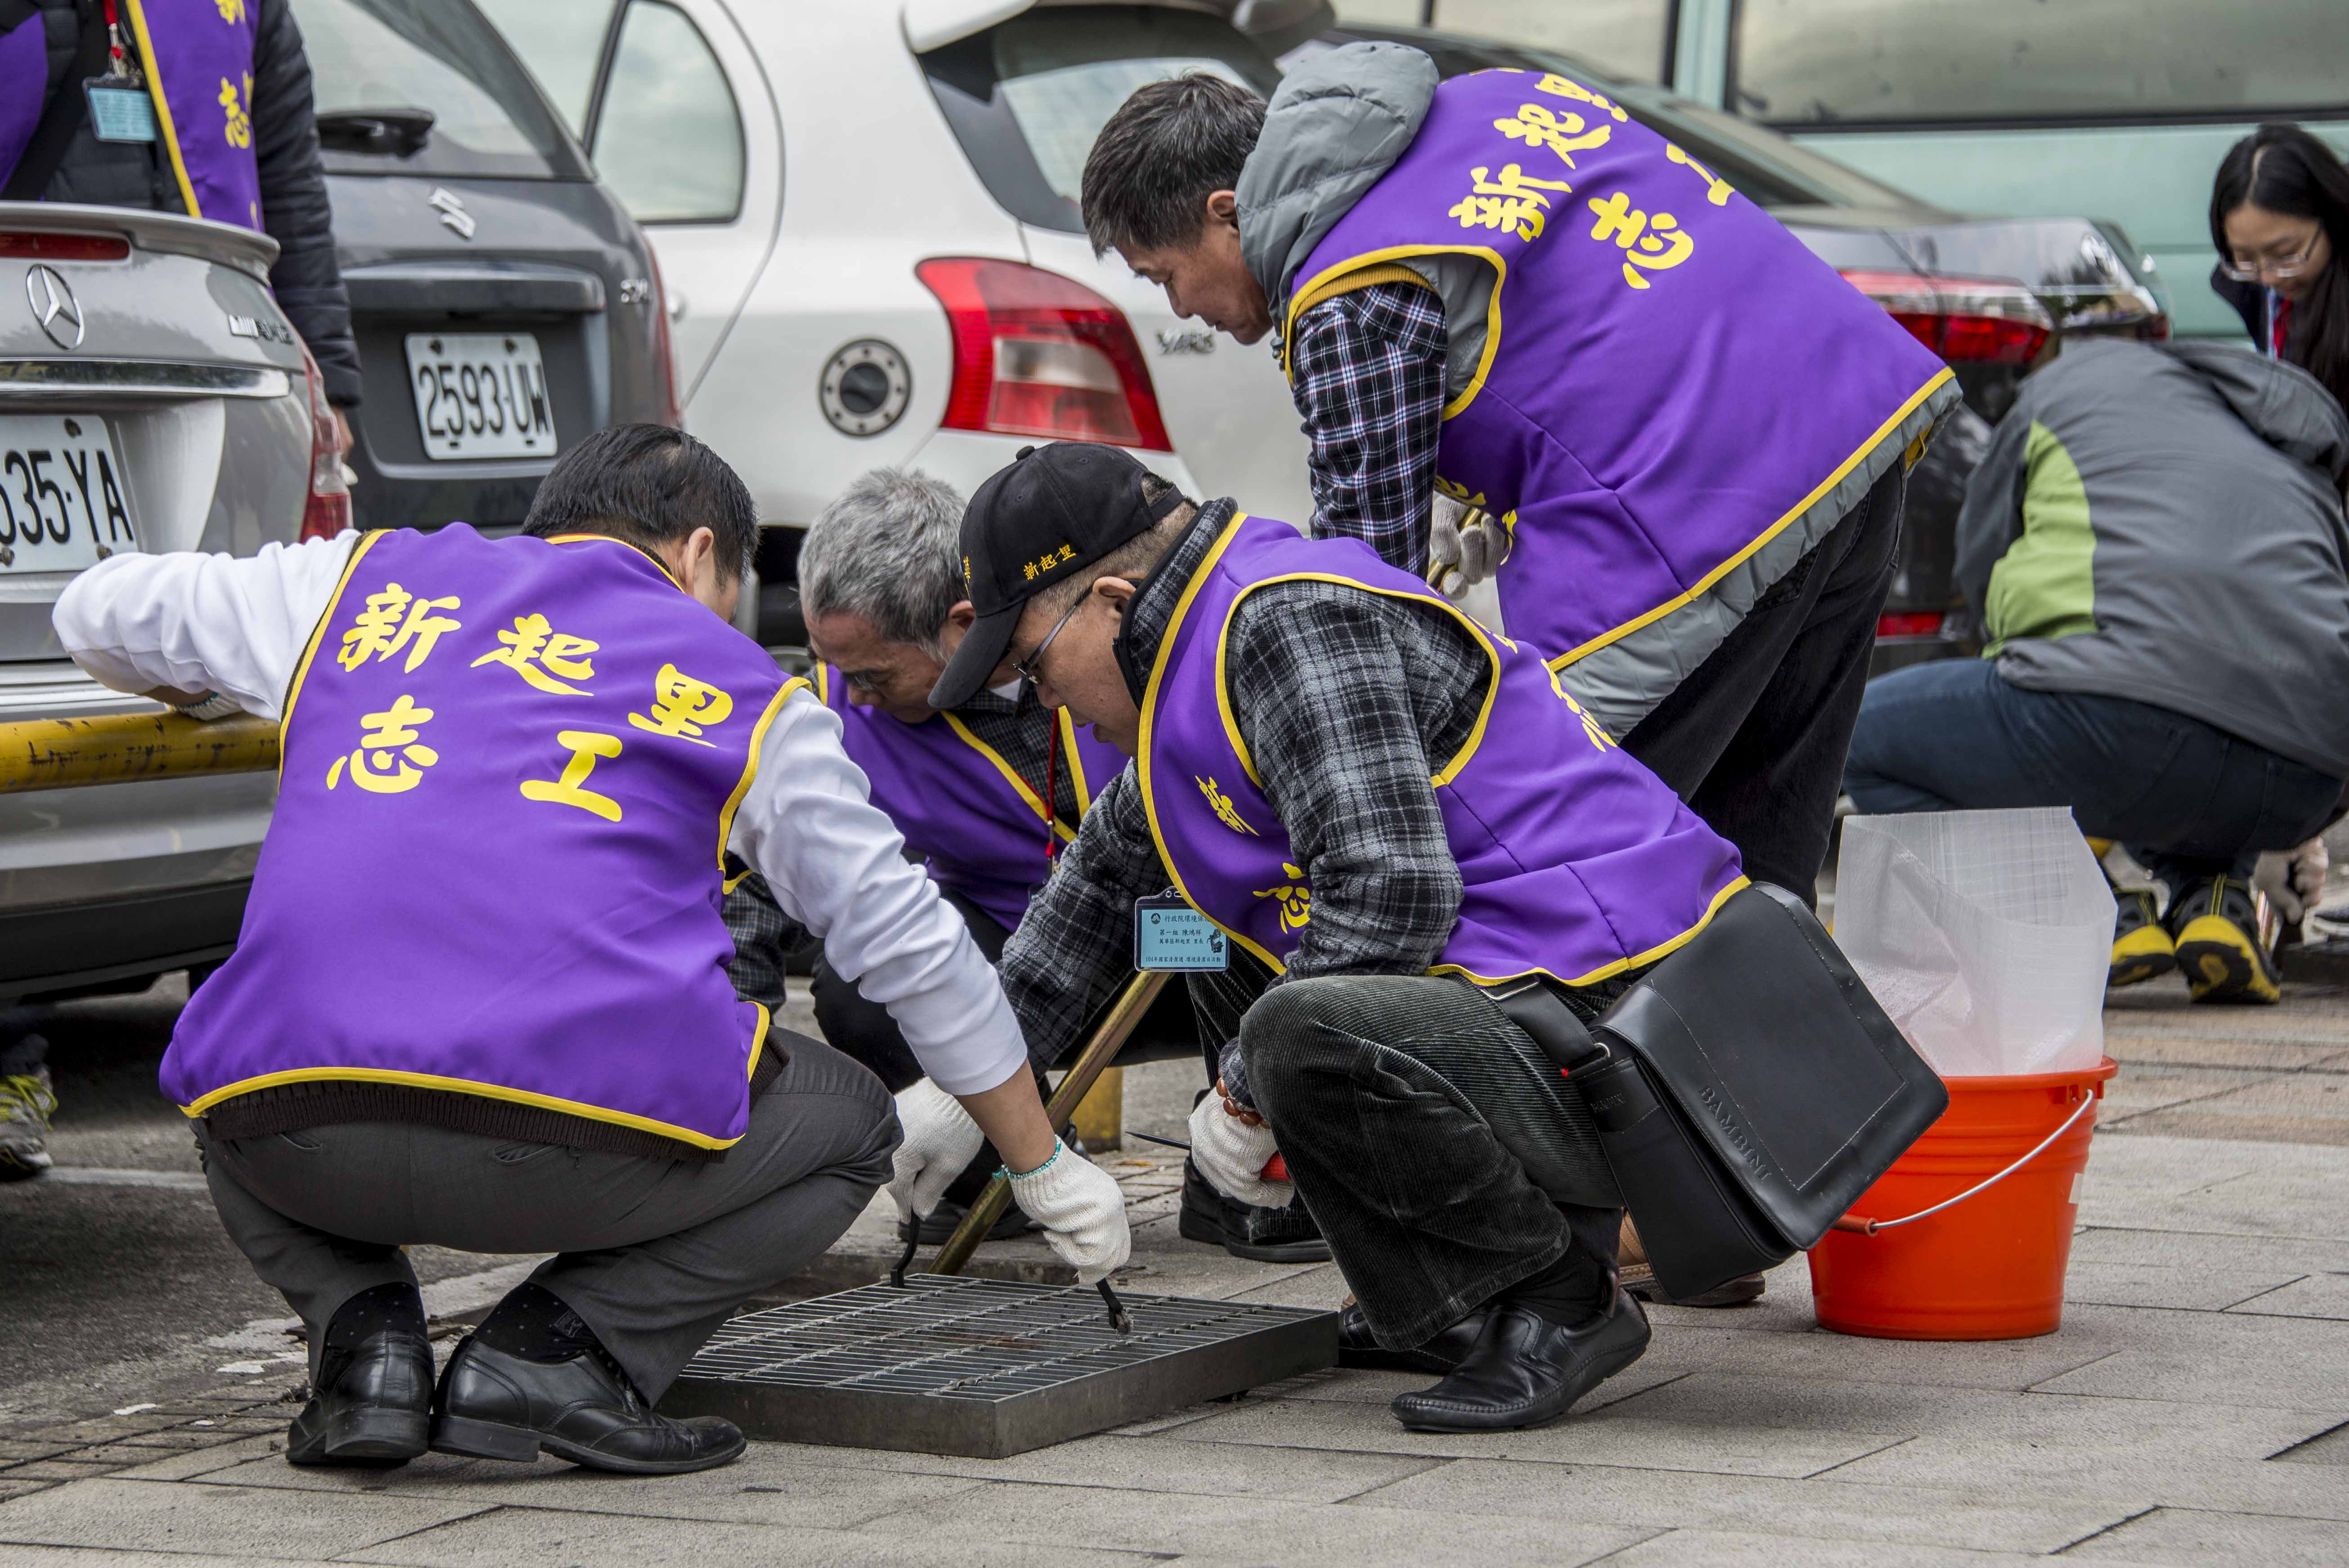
(986, 1368)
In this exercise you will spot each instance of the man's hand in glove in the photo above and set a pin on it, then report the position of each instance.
(940, 1140)
(1464, 548)
(1081, 1210)
(1231, 1149)
(2293, 880)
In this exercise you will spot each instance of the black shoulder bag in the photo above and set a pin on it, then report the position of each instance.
(1747, 1089)
(67, 106)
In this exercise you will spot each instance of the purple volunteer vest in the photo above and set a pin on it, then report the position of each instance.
(960, 806)
(23, 82)
(1578, 862)
(510, 767)
(199, 75)
(1670, 378)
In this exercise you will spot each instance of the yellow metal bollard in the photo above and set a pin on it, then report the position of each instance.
(57, 753)
(1100, 1120)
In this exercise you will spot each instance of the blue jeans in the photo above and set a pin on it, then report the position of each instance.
(2189, 800)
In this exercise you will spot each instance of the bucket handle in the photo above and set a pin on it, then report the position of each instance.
(1862, 1225)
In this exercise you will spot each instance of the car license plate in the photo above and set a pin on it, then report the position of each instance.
(63, 504)
(480, 395)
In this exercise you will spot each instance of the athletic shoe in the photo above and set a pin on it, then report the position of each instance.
(2215, 924)
(2142, 948)
(27, 1103)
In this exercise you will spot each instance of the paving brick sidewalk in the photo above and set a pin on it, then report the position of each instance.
(2194, 1409)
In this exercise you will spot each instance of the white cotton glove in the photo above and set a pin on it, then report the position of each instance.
(2293, 880)
(1464, 547)
(940, 1140)
(1081, 1209)
(1231, 1152)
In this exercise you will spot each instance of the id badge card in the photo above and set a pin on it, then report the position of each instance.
(1169, 936)
(118, 112)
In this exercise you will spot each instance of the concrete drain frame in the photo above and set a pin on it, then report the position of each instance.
(984, 1367)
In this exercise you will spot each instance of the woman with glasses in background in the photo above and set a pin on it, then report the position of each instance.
(2279, 218)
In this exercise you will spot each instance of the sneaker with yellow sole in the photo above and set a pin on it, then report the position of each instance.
(2215, 924)
(2142, 948)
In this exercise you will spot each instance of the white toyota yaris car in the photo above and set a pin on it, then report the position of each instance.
(866, 216)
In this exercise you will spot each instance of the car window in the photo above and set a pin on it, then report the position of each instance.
(440, 56)
(1624, 39)
(669, 138)
(561, 44)
(1026, 98)
(1810, 62)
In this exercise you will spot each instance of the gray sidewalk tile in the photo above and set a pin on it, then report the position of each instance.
(1600, 1438)
(2013, 1364)
(107, 1557)
(755, 1489)
(204, 1461)
(2324, 1295)
(1820, 1509)
(2198, 1536)
(2217, 1358)
(1295, 1535)
(230, 1519)
(2211, 1255)
(2150, 1284)
(1742, 1549)
(838, 1488)
(530, 1535)
(2330, 1447)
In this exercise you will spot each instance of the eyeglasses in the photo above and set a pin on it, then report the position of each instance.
(1026, 668)
(2280, 267)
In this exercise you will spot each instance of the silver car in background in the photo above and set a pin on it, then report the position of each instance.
(153, 397)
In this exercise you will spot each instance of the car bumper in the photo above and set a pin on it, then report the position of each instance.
(105, 880)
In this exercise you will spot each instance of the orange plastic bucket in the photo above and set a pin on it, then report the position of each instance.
(1990, 1267)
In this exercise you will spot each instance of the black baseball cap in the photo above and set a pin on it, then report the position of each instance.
(1052, 512)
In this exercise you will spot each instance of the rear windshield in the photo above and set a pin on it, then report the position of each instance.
(1766, 168)
(1026, 99)
(440, 56)
(1817, 62)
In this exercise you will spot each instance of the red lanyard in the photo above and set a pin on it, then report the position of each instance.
(1052, 762)
(113, 37)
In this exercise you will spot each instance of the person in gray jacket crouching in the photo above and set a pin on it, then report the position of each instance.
(2155, 545)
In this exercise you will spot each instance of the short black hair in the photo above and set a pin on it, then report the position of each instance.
(1165, 150)
(648, 484)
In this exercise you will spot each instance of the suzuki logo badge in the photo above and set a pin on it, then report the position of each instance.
(53, 305)
(452, 210)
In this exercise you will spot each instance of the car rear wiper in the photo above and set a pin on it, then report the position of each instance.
(396, 132)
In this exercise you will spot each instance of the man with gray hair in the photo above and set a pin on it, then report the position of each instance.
(882, 589)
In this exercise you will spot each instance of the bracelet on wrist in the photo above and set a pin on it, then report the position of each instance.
(1019, 1175)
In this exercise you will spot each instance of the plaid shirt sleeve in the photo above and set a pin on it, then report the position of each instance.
(1368, 378)
(1319, 688)
(1075, 944)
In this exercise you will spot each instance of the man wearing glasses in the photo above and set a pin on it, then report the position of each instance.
(1378, 800)
(881, 585)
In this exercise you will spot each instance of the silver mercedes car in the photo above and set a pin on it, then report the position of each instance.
(152, 397)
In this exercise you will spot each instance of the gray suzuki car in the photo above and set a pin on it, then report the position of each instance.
(152, 397)
(505, 303)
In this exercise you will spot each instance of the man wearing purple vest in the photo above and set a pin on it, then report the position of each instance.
(1688, 435)
(480, 998)
(1389, 807)
(880, 575)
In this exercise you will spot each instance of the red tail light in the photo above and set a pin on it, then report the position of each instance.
(1966, 321)
(664, 356)
(64, 247)
(328, 510)
(1909, 623)
(1039, 355)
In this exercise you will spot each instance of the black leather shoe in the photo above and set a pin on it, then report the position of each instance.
(1527, 1371)
(494, 1405)
(373, 1410)
(1266, 1235)
(1357, 1347)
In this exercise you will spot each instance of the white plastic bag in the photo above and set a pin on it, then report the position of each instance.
(1986, 935)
